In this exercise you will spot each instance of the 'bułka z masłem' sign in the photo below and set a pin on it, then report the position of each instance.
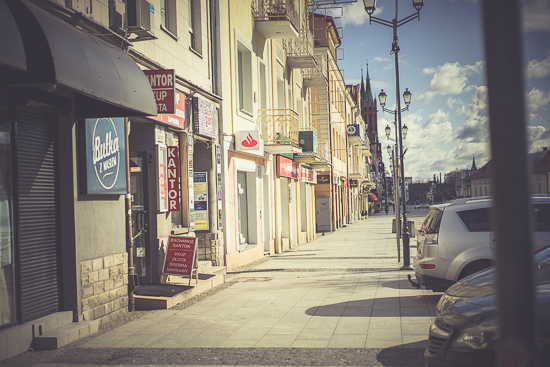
(180, 256)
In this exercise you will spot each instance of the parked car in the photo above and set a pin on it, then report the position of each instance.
(422, 206)
(483, 282)
(456, 240)
(467, 333)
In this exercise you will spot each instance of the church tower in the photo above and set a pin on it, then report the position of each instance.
(369, 111)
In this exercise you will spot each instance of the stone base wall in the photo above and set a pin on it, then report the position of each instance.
(211, 248)
(104, 284)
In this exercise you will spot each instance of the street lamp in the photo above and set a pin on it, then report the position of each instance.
(370, 7)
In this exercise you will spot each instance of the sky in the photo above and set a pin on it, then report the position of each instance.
(441, 61)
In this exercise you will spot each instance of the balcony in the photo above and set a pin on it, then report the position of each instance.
(317, 77)
(319, 160)
(279, 129)
(299, 52)
(275, 18)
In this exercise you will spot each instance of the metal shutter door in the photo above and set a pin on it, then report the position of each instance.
(38, 212)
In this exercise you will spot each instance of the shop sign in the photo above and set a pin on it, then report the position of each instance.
(190, 176)
(288, 168)
(200, 188)
(323, 179)
(352, 183)
(164, 87)
(336, 180)
(219, 185)
(249, 141)
(205, 118)
(177, 119)
(308, 175)
(180, 256)
(105, 156)
(162, 198)
(174, 179)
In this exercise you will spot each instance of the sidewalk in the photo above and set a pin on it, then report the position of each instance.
(339, 299)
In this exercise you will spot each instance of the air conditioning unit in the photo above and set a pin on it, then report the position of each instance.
(141, 14)
(308, 141)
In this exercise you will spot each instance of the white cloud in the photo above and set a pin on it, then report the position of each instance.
(538, 69)
(449, 79)
(537, 98)
(354, 14)
(538, 137)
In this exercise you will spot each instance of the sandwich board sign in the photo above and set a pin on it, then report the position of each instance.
(180, 256)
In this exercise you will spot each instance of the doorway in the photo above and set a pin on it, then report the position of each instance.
(140, 216)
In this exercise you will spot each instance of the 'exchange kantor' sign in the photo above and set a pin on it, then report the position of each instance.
(180, 256)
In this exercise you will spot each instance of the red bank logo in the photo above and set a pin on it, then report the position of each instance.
(249, 142)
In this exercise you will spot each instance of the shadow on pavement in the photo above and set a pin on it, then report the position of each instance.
(413, 306)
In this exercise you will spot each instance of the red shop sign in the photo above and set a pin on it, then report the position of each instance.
(288, 168)
(180, 256)
(174, 178)
(163, 84)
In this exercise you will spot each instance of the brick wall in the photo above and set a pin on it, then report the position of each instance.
(104, 287)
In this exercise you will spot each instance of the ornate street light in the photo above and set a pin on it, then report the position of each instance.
(370, 8)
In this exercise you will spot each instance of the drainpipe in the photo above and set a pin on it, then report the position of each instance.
(129, 239)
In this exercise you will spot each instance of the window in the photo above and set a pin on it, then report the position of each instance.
(195, 35)
(168, 17)
(541, 218)
(432, 221)
(476, 220)
(244, 75)
(263, 89)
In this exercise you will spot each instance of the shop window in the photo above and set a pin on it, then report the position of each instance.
(7, 272)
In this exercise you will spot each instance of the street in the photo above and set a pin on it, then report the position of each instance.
(339, 300)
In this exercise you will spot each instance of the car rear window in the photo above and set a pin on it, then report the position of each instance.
(432, 221)
(476, 220)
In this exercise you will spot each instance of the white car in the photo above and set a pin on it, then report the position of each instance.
(455, 240)
(422, 206)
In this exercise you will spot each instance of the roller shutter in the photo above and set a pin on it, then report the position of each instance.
(38, 214)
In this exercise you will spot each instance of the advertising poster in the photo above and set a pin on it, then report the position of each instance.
(180, 256)
(200, 189)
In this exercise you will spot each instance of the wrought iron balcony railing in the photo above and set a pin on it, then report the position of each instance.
(275, 18)
(299, 51)
(278, 126)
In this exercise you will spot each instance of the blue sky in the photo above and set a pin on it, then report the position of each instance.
(442, 63)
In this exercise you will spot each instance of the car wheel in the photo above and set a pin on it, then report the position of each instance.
(475, 267)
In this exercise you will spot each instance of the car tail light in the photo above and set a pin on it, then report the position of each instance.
(427, 266)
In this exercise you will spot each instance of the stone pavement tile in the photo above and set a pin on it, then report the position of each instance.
(415, 329)
(136, 341)
(377, 333)
(310, 344)
(238, 343)
(276, 341)
(317, 333)
(352, 326)
(347, 341)
(415, 341)
(374, 343)
(249, 332)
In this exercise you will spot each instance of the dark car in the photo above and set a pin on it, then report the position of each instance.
(467, 333)
(483, 282)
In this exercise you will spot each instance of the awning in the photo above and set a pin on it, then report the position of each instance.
(106, 80)
(12, 56)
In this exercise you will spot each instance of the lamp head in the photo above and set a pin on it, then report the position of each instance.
(388, 148)
(418, 4)
(404, 129)
(407, 96)
(387, 130)
(382, 98)
(370, 6)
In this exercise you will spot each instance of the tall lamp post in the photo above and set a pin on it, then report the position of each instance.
(370, 7)
(400, 133)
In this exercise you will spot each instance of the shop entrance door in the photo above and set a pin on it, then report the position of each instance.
(140, 216)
